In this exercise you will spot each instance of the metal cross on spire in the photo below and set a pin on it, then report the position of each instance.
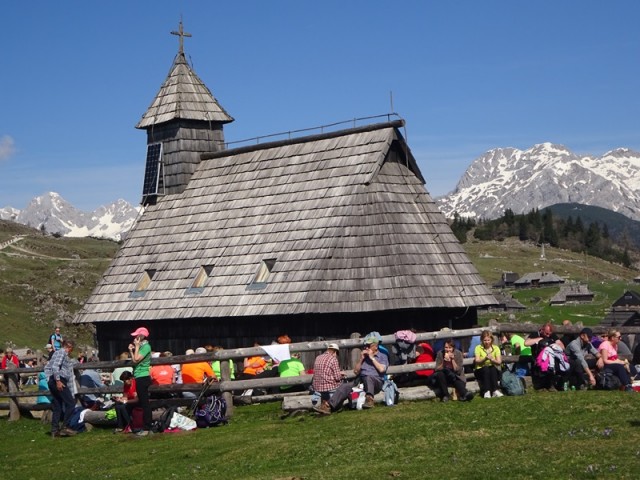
(181, 33)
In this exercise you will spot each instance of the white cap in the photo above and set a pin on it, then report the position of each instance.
(333, 346)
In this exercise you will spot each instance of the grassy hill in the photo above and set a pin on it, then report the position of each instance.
(607, 280)
(45, 280)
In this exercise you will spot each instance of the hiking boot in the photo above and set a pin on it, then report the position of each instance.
(497, 394)
(324, 408)
(368, 402)
(468, 397)
(487, 394)
(67, 432)
(445, 399)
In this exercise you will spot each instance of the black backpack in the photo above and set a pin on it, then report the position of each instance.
(160, 425)
(606, 380)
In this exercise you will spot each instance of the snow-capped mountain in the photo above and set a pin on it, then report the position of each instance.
(53, 213)
(544, 175)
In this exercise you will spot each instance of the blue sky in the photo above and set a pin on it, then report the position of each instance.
(467, 76)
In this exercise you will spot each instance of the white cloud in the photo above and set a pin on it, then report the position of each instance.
(7, 147)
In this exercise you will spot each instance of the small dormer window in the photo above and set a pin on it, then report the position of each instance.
(143, 283)
(201, 278)
(261, 277)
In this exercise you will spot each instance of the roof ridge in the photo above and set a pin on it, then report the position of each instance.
(304, 139)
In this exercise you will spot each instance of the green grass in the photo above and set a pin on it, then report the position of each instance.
(44, 281)
(540, 435)
(608, 281)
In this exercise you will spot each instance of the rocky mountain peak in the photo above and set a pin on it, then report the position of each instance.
(544, 175)
(53, 213)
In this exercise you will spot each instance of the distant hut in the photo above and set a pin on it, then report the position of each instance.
(318, 236)
(507, 280)
(625, 311)
(575, 293)
(506, 303)
(538, 279)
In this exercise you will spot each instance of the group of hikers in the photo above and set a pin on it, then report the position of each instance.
(574, 361)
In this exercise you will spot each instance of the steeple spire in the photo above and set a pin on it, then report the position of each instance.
(181, 33)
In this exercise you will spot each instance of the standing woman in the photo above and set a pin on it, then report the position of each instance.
(610, 361)
(487, 361)
(140, 351)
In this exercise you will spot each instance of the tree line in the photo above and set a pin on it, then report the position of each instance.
(542, 227)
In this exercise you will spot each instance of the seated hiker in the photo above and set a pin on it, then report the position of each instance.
(161, 375)
(487, 361)
(197, 372)
(370, 368)
(216, 365)
(125, 404)
(327, 377)
(90, 378)
(117, 372)
(450, 372)
(10, 360)
(580, 368)
(253, 366)
(257, 367)
(610, 361)
(291, 368)
(420, 377)
(523, 366)
(404, 348)
(547, 375)
(43, 386)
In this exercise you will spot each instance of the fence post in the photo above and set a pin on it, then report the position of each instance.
(225, 373)
(354, 354)
(14, 408)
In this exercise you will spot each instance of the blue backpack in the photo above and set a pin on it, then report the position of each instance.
(511, 383)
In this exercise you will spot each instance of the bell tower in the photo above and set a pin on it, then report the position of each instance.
(183, 121)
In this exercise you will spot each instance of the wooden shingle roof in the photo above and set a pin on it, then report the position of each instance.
(572, 293)
(183, 96)
(345, 216)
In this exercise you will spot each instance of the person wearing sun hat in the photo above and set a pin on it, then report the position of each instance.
(140, 351)
(327, 377)
(370, 369)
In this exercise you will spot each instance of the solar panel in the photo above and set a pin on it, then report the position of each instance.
(153, 170)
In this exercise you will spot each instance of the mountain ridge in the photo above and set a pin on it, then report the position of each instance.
(53, 214)
(544, 175)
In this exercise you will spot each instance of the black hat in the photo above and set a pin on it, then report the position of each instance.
(587, 331)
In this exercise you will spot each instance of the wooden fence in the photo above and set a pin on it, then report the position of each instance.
(349, 349)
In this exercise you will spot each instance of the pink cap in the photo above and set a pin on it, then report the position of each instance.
(140, 331)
